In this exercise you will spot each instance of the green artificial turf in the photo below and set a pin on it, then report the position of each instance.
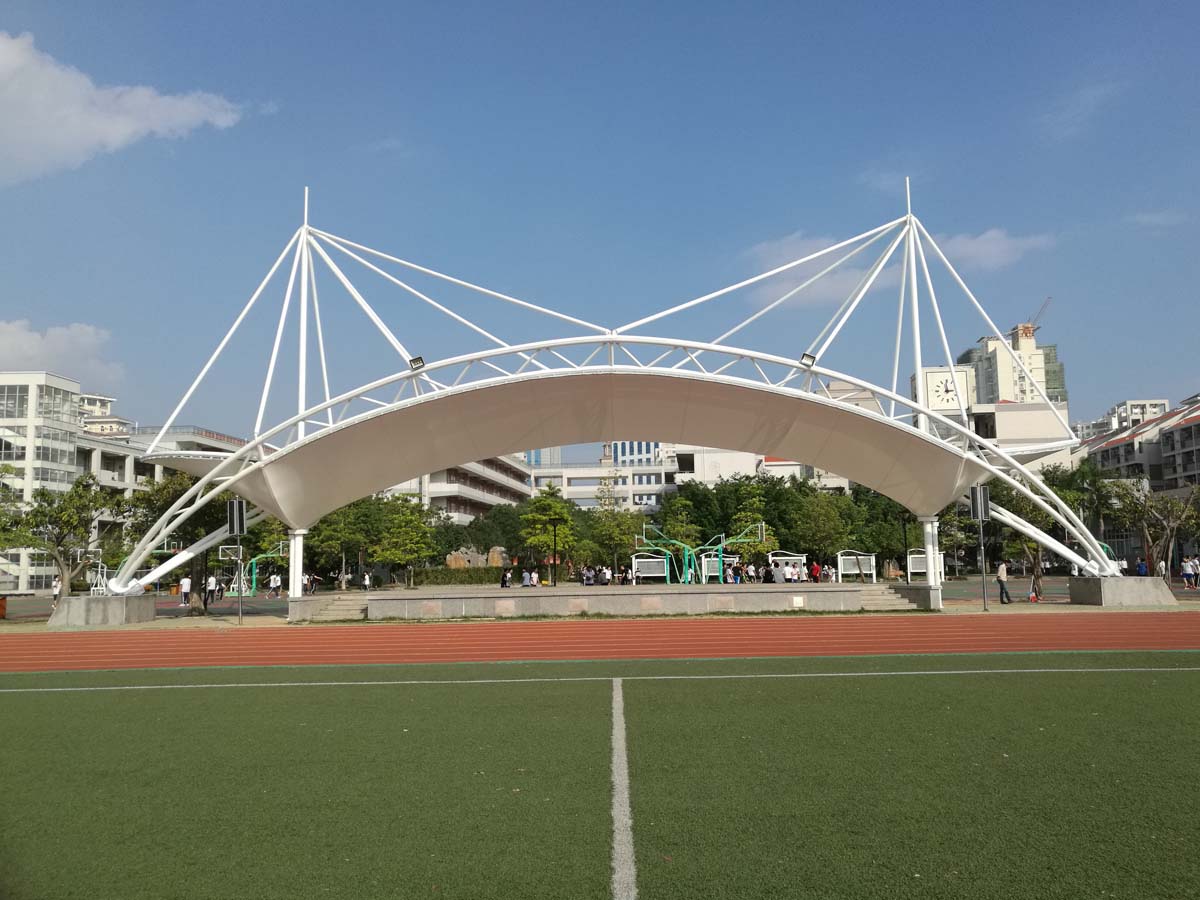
(1047, 786)
(1075, 784)
(456, 792)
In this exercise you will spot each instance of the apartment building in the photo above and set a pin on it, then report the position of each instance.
(1123, 415)
(471, 489)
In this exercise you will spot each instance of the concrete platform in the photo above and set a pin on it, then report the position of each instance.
(1131, 591)
(99, 612)
(575, 600)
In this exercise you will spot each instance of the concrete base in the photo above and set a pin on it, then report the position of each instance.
(920, 595)
(91, 612)
(446, 603)
(1121, 592)
(302, 609)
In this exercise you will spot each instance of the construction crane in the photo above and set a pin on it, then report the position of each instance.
(1037, 318)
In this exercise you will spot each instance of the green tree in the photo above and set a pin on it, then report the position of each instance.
(1156, 516)
(751, 512)
(675, 517)
(60, 523)
(405, 538)
(826, 528)
(538, 521)
(346, 533)
(613, 530)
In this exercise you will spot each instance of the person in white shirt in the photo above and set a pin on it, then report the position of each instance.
(751, 573)
(56, 590)
(533, 578)
(210, 591)
(185, 589)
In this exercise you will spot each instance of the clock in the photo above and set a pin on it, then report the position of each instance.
(944, 391)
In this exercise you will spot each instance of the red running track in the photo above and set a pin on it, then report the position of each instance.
(609, 639)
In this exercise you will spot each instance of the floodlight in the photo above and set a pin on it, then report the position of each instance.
(807, 360)
(416, 363)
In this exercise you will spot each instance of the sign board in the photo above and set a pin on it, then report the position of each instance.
(916, 562)
(710, 566)
(851, 562)
(981, 507)
(235, 511)
(646, 565)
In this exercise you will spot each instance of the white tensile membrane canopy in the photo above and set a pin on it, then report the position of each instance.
(595, 382)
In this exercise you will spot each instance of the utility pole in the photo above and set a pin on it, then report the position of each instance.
(981, 511)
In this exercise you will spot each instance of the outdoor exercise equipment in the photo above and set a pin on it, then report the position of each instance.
(697, 564)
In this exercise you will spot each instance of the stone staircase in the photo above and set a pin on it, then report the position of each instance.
(342, 609)
(881, 598)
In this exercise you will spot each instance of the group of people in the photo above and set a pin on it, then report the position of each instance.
(214, 588)
(529, 578)
(776, 573)
(592, 575)
(214, 591)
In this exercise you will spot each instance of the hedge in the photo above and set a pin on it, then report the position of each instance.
(472, 575)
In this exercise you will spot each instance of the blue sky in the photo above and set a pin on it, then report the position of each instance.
(604, 161)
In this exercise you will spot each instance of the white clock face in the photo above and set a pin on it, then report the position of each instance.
(943, 391)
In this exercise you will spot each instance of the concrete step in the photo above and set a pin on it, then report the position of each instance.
(885, 600)
(341, 610)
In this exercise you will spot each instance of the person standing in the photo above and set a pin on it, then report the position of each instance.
(1162, 571)
(185, 589)
(815, 572)
(534, 578)
(210, 591)
(1002, 580)
(1141, 569)
(366, 580)
(56, 591)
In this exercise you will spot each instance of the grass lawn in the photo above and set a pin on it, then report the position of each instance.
(1077, 784)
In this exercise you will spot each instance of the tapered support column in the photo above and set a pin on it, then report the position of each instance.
(296, 562)
(933, 566)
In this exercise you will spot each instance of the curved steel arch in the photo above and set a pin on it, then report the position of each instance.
(610, 380)
(854, 437)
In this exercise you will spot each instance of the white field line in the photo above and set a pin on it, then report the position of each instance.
(580, 678)
(624, 870)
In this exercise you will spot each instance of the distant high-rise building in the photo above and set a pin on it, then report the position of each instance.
(998, 378)
(634, 453)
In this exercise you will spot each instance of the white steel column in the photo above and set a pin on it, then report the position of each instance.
(305, 267)
(296, 562)
(911, 274)
(933, 570)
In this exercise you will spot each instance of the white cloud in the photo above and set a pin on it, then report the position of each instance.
(991, 250)
(1163, 218)
(1073, 112)
(78, 351)
(55, 117)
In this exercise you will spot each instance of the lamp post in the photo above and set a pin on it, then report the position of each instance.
(555, 520)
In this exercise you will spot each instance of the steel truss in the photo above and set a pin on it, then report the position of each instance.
(603, 350)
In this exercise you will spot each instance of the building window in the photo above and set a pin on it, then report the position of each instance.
(12, 444)
(14, 401)
(61, 455)
(53, 476)
(56, 403)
